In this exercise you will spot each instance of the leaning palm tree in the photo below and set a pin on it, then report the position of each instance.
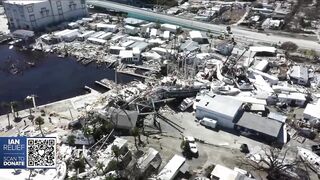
(30, 173)
(135, 132)
(33, 97)
(14, 109)
(116, 151)
(87, 132)
(100, 167)
(39, 121)
(71, 139)
(6, 107)
(29, 101)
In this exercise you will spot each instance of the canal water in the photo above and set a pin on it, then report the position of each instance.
(51, 78)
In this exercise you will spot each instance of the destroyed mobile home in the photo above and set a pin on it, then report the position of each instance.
(249, 90)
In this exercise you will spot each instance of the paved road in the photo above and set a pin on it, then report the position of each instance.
(242, 34)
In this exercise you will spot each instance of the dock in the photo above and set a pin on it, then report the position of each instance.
(91, 89)
(134, 74)
(142, 67)
(103, 84)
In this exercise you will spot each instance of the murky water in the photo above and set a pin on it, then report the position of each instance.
(49, 77)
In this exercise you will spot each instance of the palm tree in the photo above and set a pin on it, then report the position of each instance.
(6, 107)
(28, 101)
(135, 132)
(39, 121)
(80, 165)
(87, 132)
(99, 167)
(30, 174)
(116, 151)
(71, 140)
(14, 105)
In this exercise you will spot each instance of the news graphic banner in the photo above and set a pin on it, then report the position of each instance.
(27, 152)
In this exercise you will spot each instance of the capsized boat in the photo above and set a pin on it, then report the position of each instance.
(311, 158)
(226, 90)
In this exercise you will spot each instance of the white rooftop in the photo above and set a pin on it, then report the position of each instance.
(103, 25)
(102, 41)
(129, 27)
(24, 2)
(126, 54)
(299, 72)
(170, 26)
(172, 168)
(195, 34)
(263, 49)
(312, 110)
(220, 104)
(294, 96)
(130, 20)
(224, 173)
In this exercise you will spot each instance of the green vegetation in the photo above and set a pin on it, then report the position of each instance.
(135, 132)
(39, 121)
(289, 46)
(79, 164)
(28, 101)
(100, 126)
(169, 3)
(71, 140)
(112, 166)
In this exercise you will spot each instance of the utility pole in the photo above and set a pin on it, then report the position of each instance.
(116, 78)
(185, 67)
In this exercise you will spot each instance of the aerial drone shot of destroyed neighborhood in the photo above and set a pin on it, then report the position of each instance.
(159, 89)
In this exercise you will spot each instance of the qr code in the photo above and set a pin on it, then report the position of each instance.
(41, 152)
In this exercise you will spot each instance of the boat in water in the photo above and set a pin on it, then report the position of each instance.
(13, 69)
(312, 159)
(109, 84)
(32, 64)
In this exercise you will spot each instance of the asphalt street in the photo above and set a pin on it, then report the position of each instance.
(242, 34)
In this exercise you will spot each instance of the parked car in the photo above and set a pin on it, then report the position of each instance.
(244, 148)
(191, 145)
(186, 103)
(208, 123)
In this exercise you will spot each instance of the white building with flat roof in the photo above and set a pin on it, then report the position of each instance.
(176, 164)
(223, 109)
(312, 111)
(38, 14)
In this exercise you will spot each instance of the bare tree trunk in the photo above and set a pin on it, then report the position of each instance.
(8, 116)
(135, 143)
(13, 112)
(30, 174)
(41, 131)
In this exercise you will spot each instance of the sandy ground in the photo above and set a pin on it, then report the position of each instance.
(62, 113)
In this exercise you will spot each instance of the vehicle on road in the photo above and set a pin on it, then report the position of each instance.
(191, 146)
